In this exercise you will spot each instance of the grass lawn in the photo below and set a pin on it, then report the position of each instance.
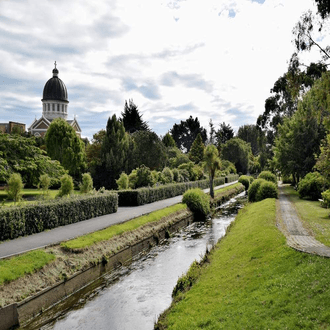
(27, 263)
(255, 281)
(222, 190)
(314, 216)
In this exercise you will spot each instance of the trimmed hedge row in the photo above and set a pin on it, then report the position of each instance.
(231, 178)
(33, 218)
(149, 195)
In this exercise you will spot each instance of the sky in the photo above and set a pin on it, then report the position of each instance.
(212, 59)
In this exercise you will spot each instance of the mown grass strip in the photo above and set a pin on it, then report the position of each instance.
(255, 281)
(105, 234)
(312, 214)
(15, 267)
(224, 189)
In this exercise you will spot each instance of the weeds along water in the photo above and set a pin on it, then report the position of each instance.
(133, 297)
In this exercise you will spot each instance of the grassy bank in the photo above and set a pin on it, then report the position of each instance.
(254, 281)
(314, 217)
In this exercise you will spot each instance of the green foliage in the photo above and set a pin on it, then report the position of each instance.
(176, 157)
(223, 134)
(196, 152)
(198, 202)
(93, 150)
(144, 177)
(323, 161)
(253, 189)
(311, 186)
(44, 183)
(237, 151)
(168, 141)
(267, 189)
(132, 119)
(63, 144)
(34, 218)
(326, 198)
(66, 186)
(27, 263)
(114, 151)
(250, 134)
(14, 187)
(228, 167)
(123, 181)
(211, 163)
(177, 176)
(186, 132)
(87, 184)
(269, 176)
(231, 178)
(20, 154)
(245, 181)
(167, 175)
(132, 179)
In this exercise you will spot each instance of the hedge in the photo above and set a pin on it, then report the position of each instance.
(28, 219)
(231, 178)
(143, 196)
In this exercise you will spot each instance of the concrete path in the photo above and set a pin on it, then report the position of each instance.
(59, 234)
(297, 236)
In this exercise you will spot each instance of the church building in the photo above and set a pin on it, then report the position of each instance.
(54, 105)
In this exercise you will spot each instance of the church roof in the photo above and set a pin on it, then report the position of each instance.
(55, 89)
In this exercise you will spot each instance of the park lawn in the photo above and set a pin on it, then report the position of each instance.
(313, 216)
(27, 263)
(105, 234)
(255, 281)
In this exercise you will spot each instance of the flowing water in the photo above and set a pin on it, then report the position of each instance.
(134, 296)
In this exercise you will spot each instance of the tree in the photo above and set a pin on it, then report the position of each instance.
(212, 163)
(20, 154)
(114, 153)
(168, 141)
(44, 183)
(237, 151)
(66, 186)
(93, 150)
(14, 187)
(323, 7)
(250, 134)
(149, 150)
(131, 118)
(212, 132)
(196, 152)
(223, 134)
(185, 133)
(63, 144)
(87, 183)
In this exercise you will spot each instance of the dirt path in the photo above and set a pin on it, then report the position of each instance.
(297, 236)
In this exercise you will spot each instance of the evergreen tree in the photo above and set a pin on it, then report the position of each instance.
(114, 152)
(132, 120)
(168, 140)
(196, 153)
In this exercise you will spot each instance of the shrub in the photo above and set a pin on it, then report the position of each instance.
(87, 183)
(123, 181)
(132, 178)
(269, 176)
(44, 183)
(167, 175)
(267, 189)
(143, 177)
(14, 187)
(231, 178)
(253, 189)
(198, 202)
(311, 186)
(245, 181)
(66, 186)
(177, 177)
(326, 199)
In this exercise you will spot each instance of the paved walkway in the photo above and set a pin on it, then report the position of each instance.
(297, 236)
(59, 234)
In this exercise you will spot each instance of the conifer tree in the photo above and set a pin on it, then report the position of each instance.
(132, 119)
(196, 153)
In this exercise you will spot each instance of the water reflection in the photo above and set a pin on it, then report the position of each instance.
(133, 297)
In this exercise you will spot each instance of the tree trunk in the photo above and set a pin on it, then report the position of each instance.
(211, 187)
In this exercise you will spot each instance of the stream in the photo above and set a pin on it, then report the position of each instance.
(134, 296)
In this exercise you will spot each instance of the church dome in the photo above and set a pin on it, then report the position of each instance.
(55, 89)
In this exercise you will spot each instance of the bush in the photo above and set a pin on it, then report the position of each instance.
(123, 181)
(14, 187)
(87, 183)
(143, 177)
(253, 189)
(326, 199)
(311, 186)
(66, 186)
(245, 181)
(267, 189)
(167, 175)
(198, 202)
(34, 218)
(269, 176)
(44, 183)
(177, 177)
(231, 178)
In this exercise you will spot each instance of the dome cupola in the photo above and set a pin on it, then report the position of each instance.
(55, 97)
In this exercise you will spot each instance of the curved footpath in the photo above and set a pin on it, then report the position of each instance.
(296, 235)
(64, 233)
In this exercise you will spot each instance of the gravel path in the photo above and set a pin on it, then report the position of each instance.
(297, 236)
